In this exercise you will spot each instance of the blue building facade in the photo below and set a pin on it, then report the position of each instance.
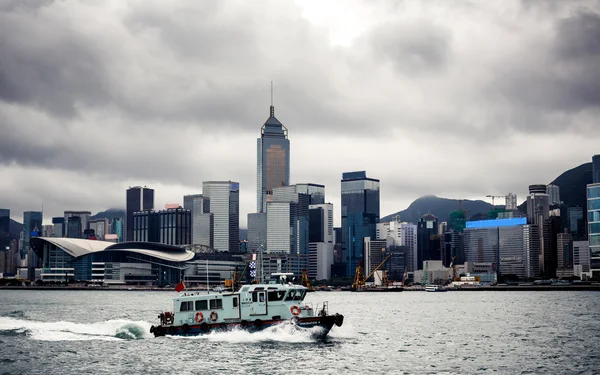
(360, 214)
(593, 208)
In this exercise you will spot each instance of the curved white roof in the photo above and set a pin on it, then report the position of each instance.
(77, 247)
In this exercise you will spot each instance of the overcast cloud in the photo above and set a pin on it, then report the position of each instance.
(458, 99)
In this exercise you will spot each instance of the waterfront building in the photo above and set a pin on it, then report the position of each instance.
(410, 243)
(360, 214)
(509, 244)
(85, 217)
(116, 227)
(375, 252)
(538, 205)
(549, 229)
(74, 227)
(139, 263)
(428, 247)
(273, 160)
(576, 221)
(596, 169)
(564, 264)
(224, 205)
(581, 259)
(100, 228)
(593, 209)
(59, 226)
(553, 192)
(315, 192)
(511, 202)
(321, 241)
(169, 227)
(138, 199)
(32, 225)
(287, 222)
(4, 228)
(453, 248)
(257, 232)
(216, 267)
(202, 219)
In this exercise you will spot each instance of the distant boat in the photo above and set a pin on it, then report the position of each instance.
(435, 288)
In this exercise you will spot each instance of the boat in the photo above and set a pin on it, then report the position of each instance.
(252, 307)
(435, 288)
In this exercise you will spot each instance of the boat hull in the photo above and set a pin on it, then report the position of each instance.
(324, 322)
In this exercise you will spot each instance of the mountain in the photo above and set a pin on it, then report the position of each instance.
(440, 207)
(110, 214)
(572, 186)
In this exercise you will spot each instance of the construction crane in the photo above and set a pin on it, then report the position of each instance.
(306, 280)
(375, 270)
(494, 196)
(453, 266)
(359, 279)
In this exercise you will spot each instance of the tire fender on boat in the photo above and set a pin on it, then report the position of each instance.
(199, 317)
(295, 310)
(185, 328)
(152, 329)
(258, 323)
(214, 316)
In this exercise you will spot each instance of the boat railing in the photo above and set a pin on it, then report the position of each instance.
(323, 308)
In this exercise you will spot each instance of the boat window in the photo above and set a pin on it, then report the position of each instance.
(299, 295)
(245, 289)
(254, 297)
(290, 296)
(259, 288)
(201, 305)
(187, 306)
(235, 302)
(261, 297)
(276, 295)
(216, 304)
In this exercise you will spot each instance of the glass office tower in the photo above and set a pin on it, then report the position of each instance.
(273, 160)
(360, 214)
(138, 199)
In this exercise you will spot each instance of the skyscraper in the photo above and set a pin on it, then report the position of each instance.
(224, 198)
(553, 192)
(74, 226)
(116, 227)
(315, 192)
(511, 202)
(32, 227)
(428, 248)
(59, 226)
(596, 169)
(593, 208)
(360, 214)
(4, 228)
(202, 219)
(273, 160)
(320, 231)
(137, 199)
(85, 217)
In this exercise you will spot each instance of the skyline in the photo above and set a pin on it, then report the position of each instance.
(141, 95)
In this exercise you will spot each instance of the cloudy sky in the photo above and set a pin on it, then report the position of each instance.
(459, 99)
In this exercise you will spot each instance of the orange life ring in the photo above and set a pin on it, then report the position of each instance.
(295, 310)
(214, 316)
(199, 317)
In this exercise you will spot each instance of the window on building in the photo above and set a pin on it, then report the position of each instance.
(201, 305)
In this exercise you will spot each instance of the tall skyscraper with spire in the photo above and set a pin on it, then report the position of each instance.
(273, 159)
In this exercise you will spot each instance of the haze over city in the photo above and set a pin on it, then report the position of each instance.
(455, 99)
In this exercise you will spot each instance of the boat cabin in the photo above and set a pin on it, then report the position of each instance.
(249, 303)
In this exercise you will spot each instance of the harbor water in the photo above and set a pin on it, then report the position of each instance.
(98, 332)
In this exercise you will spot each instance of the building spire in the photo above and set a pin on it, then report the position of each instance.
(272, 107)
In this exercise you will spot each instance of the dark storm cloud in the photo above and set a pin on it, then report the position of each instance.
(418, 47)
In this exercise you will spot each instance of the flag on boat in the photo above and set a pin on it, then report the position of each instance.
(252, 265)
(253, 257)
(180, 287)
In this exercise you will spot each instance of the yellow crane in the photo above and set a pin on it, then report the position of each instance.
(359, 281)
(453, 266)
(306, 280)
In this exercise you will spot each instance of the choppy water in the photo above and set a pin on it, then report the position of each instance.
(98, 332)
